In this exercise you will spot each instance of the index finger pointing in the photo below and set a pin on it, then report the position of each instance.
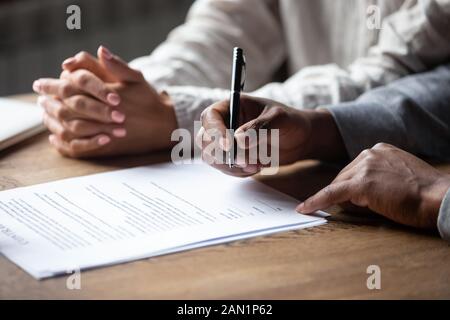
(332, 194)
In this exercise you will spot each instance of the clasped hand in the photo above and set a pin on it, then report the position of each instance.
(101, 106)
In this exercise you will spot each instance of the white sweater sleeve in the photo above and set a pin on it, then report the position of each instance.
(413, 39)
(197, 56)
(198, 53)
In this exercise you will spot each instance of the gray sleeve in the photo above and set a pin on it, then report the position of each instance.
(444, 217)
(412, 113)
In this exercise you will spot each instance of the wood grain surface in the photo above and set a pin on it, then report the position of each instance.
(328, 262)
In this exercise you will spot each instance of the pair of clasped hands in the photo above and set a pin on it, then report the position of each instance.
(101, 107)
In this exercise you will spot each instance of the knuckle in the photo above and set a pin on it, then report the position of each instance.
(103, 92)
(64, 90)
(75, 126)
(103, 111)
(44, 86)
(220, 106)
(381, 146)
(63, 134)
(278, 112)
(79, 103)
(60, 112)
(82, 55)
(74, 149)
(82, 78)
(64, 74)
(367, 153)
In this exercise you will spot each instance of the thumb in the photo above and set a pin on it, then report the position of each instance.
(118, 68)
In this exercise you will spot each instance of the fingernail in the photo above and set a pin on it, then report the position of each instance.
(117, 116)
(51, 138)
(68, 61)
(37, 86)
(119, 132)
(103, 140)
(106, 53)
(113, 99)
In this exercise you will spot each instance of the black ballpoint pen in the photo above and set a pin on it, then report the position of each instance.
(237, 85)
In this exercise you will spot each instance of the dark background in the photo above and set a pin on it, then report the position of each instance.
(34, 39)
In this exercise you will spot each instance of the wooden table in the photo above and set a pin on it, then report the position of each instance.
(329, 261)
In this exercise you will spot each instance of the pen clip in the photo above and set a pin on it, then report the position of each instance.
(244, 72)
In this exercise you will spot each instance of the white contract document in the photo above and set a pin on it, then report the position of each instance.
(119, 216)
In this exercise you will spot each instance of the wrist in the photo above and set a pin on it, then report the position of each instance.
(432, 197)
(325, 142)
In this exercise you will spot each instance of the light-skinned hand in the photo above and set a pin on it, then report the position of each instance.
(101, 107)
